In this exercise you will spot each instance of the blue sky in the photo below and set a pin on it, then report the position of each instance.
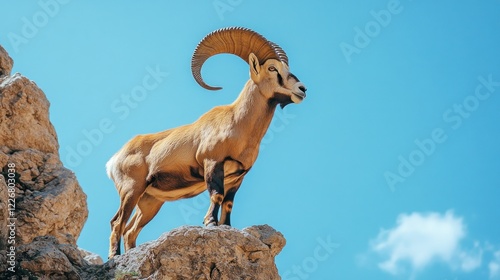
(388, 170)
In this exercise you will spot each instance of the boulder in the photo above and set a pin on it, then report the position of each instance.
(194, 252)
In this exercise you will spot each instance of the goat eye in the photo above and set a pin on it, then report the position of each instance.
(271, 68)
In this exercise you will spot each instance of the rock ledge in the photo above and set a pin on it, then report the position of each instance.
(193, 252)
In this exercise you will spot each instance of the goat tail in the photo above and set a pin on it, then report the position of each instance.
(111, 166)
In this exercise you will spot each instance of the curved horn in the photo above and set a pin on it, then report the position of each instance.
(234, 40)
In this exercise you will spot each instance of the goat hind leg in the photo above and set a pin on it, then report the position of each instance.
(128, 201)
(147, 207)
(114, 239)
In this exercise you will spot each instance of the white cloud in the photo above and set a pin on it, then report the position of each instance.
(471, 260)
(494, 266)
(419, 240)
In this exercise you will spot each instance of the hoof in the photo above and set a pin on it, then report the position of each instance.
(211, 224)
(112, 254)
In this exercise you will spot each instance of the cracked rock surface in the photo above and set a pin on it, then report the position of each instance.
(194, 252)
(48, 200)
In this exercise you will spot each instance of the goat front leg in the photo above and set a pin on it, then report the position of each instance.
(214, 178)
(227, 203)
(227, 206)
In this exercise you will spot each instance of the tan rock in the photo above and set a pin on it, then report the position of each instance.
(6, 63)
(191, 252)
(24, 117)
(47, 259)
(59, 209)
(50, 206)
(49, 200)
(90, 257)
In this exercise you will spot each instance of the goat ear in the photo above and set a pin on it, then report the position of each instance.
(253, 61)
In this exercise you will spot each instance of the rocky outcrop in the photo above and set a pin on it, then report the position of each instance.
(185, 253)
(50, 211)
(5, 63)
(91, 258)
(46, 199)
(46, 258)
(193, 252)
(49, 200)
